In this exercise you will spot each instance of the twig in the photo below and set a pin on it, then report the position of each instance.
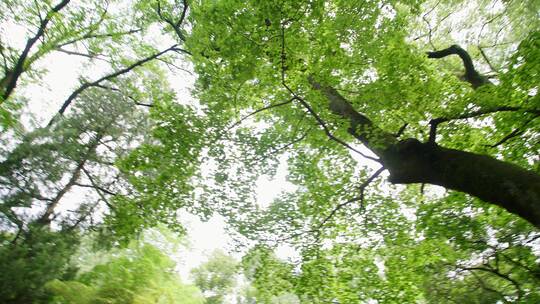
(258, 111)
(135, 101)
(401, 130)
(276, 150)
(517, 132)
(81, 54)
(89, 35)
(360, 198)
(500, 275)
(483, 53)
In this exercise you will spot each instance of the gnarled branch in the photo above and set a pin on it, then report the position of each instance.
(471, 74)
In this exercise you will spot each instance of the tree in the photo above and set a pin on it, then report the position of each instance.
(348, 92)
(310, 61)
(343, 93)
(216, 277)
(59, 180)
(141, 274)
(39, 175)
(271, 279)
(26, 267)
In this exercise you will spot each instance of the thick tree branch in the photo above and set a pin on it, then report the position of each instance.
(9, 82)
(175, 24)
(471, 75)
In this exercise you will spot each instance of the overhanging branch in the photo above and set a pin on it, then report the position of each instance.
(308, 107)
(471, 75)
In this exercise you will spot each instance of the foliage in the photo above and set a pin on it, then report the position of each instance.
(272, 78)
(216, 277)
(259, 61)
(140, 274)
(26, 267)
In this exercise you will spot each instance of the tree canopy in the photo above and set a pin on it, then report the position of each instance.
(408, 131)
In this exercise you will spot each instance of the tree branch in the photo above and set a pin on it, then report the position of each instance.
(175, 25)
(517, 132)
(74, 53)
(97, 82)
(471, 75)
(276, 150)
(258, 111)
(500, 275)
(89, 35)
(11, 77)
(360, 198)
(95, 187)
(307, 106)
(434, 123)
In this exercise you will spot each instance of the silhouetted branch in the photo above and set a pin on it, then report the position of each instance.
(515, 133)
(471, 75)
(91, 35)
(9, 81)
(401, 130)
(436, 121)
(360, 198)
(308, 107)
(174, 24)
(90, 56)
(276, 150)
(498, 274)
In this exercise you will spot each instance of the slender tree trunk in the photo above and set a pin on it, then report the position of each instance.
(46, 218)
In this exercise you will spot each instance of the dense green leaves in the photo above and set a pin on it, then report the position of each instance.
(146, 152)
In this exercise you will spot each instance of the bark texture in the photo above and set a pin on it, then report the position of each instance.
(506, 185)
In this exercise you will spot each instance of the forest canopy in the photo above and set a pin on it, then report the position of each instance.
(407, 132)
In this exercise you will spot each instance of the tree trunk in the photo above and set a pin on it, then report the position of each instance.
(506, 185)
(411, 161)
